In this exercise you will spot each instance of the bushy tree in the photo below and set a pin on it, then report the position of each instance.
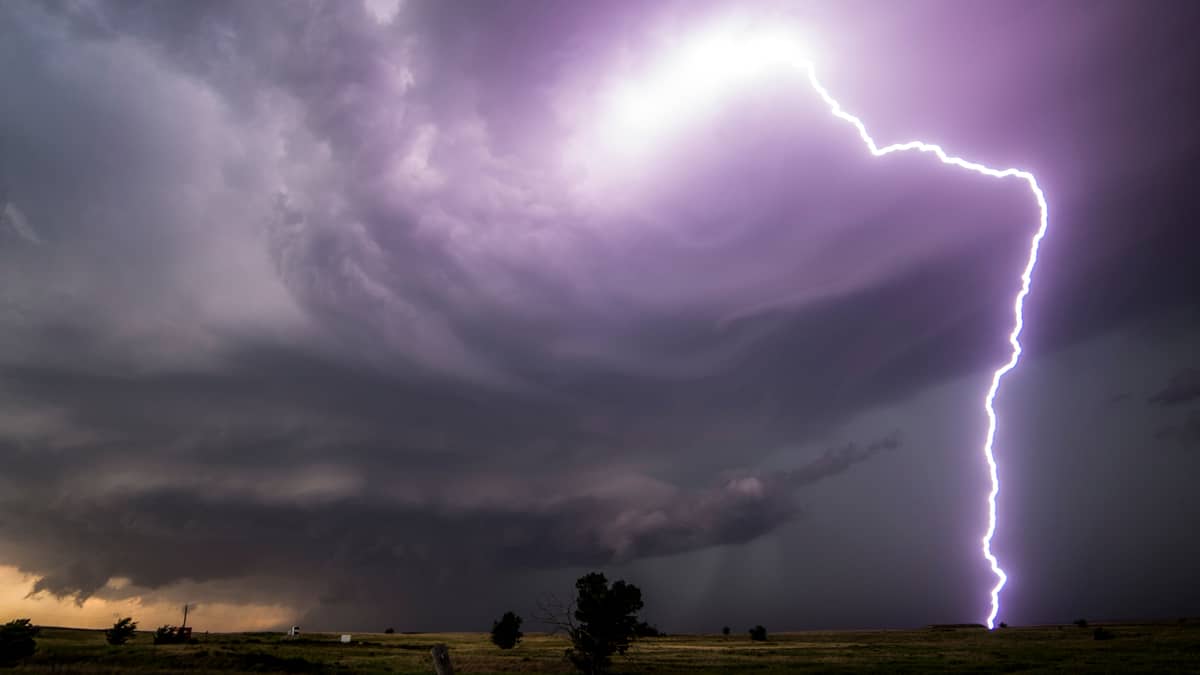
(758, 633)
(17, 641)
(121, 631)
(506, 632)
(725, 630)
(389, 631)
(605, 621)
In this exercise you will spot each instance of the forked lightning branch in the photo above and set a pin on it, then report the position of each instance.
(699, 70)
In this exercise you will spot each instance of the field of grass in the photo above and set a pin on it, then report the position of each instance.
(1157, 647)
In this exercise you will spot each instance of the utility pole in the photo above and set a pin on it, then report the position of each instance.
(185, 611)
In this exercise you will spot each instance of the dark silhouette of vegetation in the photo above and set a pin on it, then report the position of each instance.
(1149, 647)
(173, 635)
(1082, 623)
(389, 631)
(1101, 634)
(17, 641)
(758, 633)
(607, 621)
(121, 632)
(602, 621)
(1003, 625)
(506, 632)
(725, 630)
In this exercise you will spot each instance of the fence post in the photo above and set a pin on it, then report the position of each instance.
(441, 660)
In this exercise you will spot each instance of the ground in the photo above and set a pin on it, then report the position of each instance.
(1150, 647)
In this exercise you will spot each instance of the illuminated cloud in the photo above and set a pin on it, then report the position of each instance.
(350, 310)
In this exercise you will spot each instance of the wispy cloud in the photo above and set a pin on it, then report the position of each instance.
(12, 218)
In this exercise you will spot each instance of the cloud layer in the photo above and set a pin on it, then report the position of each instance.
(310, 297)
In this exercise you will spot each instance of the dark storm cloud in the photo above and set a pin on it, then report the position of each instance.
(156, 523)
(1183, 387)
(289, 292)
(1186, 433)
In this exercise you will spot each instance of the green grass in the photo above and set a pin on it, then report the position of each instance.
(1156, 647)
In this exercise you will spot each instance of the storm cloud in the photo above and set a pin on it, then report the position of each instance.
(1183, 387)
(307, 300)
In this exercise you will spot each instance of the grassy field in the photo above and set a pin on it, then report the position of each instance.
(1159, 648)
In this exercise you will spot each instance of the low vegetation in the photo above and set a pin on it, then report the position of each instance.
(1148, 648)
(602, 622)
(171, 635)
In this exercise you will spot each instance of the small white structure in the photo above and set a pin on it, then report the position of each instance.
(294, 632)
(345, 639)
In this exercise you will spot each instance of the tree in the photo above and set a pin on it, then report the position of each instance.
(506, 632)
(758, 633)
(17, 641)
(389, 631)
(725, 630)
(603, 622)
(121, 631)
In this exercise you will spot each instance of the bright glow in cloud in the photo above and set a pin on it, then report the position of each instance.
(384, 11)
(703, 67)
(695, 73)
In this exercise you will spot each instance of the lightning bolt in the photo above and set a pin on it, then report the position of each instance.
(701, 69)
(989, 401)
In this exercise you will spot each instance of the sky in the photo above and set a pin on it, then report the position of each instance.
(388, 314)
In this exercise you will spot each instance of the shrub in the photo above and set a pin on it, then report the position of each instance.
(725, 630)
(1003, 625)
(1101, 634)
(389, 631)
(506, 632)
(1082, 623)
(173, 635)
(17, 641)
(121, 631)
(758, 633)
